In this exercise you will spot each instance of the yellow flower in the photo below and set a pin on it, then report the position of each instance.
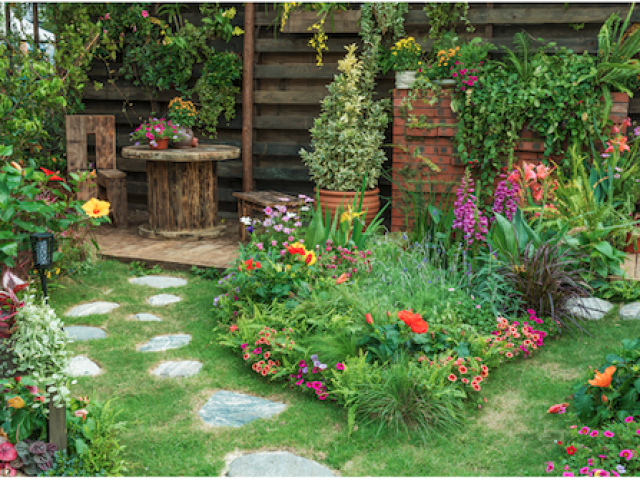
(309, 257)
(96, 208)
(15, 402)
(58, 271)
(349, 215)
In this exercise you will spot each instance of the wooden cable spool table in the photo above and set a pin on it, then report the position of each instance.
(183, 190)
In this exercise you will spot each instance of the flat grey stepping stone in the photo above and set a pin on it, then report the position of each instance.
(82, 366)
(159, 281)
(630, 312)
(229, 409)
(589, 308)
(93, 308)
(82, 333)
(185, 368)
(276, 464)
(147, 317)
(165, 342)
(162, 299)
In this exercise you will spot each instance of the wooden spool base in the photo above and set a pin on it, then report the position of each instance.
(194, 235)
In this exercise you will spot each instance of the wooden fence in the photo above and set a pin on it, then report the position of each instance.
(288, 86)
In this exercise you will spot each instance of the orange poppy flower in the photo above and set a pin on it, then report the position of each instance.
(603, 379)
(342, 278)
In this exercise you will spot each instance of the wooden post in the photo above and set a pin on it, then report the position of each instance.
(36, 28)
(488, 29)
(247, 98)
(58, 426)
(7, 19)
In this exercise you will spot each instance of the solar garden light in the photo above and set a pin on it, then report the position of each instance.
(42, 248)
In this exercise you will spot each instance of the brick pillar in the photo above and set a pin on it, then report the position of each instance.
(433, 141)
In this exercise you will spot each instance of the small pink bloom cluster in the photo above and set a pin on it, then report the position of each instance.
(465, 75)
(343, 260)
(467, 215)
(314, 368)
(470, 372)
(519, 337)
(260, 358)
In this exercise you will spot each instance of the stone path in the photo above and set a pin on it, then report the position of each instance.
(93, 308)
(162, 300)
(159, 281)
(276, 464)
(82, 333)
(147, 317)
(165, 342)
(230, 409)
(81, 366)
(630, 311)
(185, 368)
(223, 409)
(589, 308)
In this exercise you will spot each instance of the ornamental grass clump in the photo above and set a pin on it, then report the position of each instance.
(347, 139)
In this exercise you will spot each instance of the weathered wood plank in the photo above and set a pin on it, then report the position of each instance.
(289, 97)
(634, 105)
(340, 22)
(76, 143)
(327, 71)
(283, 122)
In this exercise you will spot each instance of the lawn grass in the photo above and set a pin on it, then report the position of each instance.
(511, 435)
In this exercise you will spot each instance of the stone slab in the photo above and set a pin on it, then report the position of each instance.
(630, 312)
(81, 366)
(184, 368)
(147, 317)
(162, 300)
(93, 308)
(589, 308)
(276, 464)
(230, 409)
(159, 281)
(165, 342)
(82, 333)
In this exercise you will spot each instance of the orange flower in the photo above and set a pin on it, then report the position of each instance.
(414, 321)
(529, 173)
(250, 264)
(296, 248)
(342, 278)
(369, 318)
(15, 402)
(557, 407)
(604, 399)
(233, 328)
(603, 379)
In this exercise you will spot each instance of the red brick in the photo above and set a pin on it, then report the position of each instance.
(620, 108)
(398, 101)
(447, 131)
(526, 155)
(618, 97)
(445, 103)
(531, 146)
(400, 92)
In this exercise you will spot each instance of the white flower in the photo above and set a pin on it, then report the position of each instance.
(246, 220)
(304, 208)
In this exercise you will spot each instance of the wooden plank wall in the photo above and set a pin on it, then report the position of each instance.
(289, 87)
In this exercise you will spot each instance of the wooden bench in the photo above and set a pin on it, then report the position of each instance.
(111, 183)
(252, 204)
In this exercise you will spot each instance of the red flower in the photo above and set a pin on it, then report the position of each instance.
(571, 450)
(233, 328)
(52, 175)
(250, 264)
(369, 318)
(414, 321)
(296, 250)
(17, 379)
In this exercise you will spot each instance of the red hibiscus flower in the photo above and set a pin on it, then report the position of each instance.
(571, 450)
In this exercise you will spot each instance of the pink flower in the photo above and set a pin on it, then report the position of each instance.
(300, 382)
(81, 413)
(609, 434)
(584, 430)
(259, 245)
(549, 468)
(145, 14)
(339, 366)
(568, 474)
(107, 17)
(628, 419)
(584, 470)
(322, 397)
(244, 345)
(626, 454)
(590, 461)
(594, 433)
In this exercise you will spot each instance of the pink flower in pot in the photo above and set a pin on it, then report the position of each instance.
(7, 452)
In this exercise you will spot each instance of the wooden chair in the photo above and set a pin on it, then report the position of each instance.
(252, 204)
(111, 183)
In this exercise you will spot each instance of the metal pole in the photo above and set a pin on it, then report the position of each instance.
(247, 98)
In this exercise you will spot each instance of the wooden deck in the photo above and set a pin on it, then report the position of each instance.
(126, 245)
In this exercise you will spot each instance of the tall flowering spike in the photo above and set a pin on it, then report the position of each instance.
(505, 197)
(467, 215)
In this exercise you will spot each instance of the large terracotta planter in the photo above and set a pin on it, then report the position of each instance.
(333, 199)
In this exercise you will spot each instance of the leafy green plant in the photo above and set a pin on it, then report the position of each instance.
(22, 415)
(347, 137)
(620, 291)
(65, 464)
(35, 456)
(443, 17)
(406, 54)
(616, 66)
(140, 270)
(613, 394)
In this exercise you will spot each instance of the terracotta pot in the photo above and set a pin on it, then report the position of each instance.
(186, 142)
(332, 199)
(161, 144)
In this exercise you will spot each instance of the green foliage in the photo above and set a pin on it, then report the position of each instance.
(444, 16)
(94, 436)
(140, 270)
(216, 89)
(401, 397)
(209, 273)
(36, 457)
(40, 346)
(347, 137)
(406, 54)
(620, 291)
(66, 464)
(28, 421)
(621, 397)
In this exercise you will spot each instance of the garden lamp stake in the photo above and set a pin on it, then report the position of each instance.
(42, 249)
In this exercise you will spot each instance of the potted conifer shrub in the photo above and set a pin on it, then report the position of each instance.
(348, 136)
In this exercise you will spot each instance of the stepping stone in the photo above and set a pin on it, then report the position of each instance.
(229, 409)
(82, 333)
(162, 299)
(158, 281)
(82, 366)
(589, 308)
(186, 368)
(93, 308)
(165, 342)
(147, 317)
(276, 464)
(630, 312)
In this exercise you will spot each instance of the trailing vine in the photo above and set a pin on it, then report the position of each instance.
(444, 16)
